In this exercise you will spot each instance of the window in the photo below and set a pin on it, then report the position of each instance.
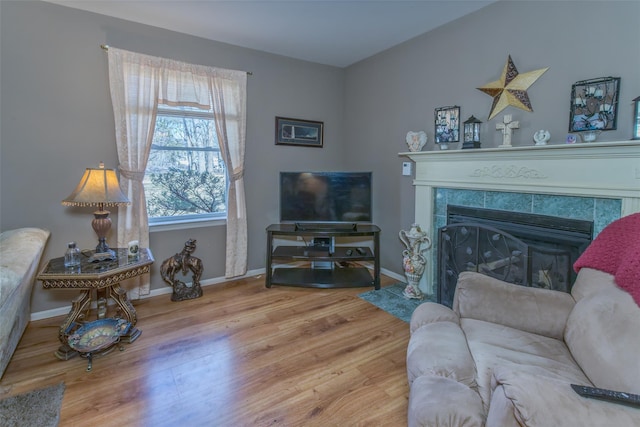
(185, 178)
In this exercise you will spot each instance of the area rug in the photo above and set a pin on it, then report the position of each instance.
(391, 300)
(35, 408)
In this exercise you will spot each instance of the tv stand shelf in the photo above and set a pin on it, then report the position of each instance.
(340, 272)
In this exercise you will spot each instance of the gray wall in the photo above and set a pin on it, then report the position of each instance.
(57, 120)
(56, 116)
(397, 91)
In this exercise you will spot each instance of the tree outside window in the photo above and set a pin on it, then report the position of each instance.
(185, 177)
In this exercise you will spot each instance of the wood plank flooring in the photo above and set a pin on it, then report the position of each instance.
(242, 355)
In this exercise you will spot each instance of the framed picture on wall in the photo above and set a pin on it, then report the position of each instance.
(447, 123)
(594, 104)
(306, 133)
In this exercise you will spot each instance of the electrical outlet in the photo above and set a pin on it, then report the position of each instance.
(299, 238)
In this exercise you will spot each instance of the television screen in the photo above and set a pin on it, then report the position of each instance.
(325, 197)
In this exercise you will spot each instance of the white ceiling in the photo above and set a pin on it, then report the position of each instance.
(331, 32)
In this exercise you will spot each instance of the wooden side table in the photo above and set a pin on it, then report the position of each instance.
(102, 277)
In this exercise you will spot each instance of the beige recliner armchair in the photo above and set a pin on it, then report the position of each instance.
(506, 355)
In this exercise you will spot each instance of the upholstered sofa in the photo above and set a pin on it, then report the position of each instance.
(505, 355)
(20, 253)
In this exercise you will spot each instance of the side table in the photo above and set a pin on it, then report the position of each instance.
(102, 277)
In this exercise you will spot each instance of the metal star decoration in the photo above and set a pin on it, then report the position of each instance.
(511, 89)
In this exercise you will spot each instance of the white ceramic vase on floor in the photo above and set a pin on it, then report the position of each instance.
(416, 243)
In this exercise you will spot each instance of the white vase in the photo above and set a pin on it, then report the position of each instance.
(414, 239)
(416, 243)
(414, 265)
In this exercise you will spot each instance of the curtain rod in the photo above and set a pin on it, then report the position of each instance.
(105, 47)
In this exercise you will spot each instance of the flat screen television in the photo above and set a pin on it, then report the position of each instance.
(325, 197)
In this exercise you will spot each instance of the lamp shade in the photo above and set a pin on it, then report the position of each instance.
(98, 187)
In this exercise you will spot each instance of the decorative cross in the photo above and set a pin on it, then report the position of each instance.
(507, 127)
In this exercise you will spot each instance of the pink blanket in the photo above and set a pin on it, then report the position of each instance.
(616, 250)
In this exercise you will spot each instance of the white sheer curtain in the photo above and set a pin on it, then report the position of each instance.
(134, 95)
(226, 91)
(138, 84)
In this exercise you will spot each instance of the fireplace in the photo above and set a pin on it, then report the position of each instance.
(597, 182)
(522, 248)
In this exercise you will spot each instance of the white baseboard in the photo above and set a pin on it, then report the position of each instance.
(60, 311)
(398, 277)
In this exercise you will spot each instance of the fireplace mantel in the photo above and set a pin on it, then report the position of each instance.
(609, 170)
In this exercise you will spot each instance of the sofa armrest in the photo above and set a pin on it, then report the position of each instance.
(20, 253)
(523, 399)
(539, 311)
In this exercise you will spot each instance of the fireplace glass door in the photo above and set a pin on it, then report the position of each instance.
(520, 248)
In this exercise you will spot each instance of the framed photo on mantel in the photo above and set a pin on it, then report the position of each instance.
(594, 104)
(447, 123)
(306, 133)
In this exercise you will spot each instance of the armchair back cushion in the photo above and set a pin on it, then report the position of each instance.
(539, 311)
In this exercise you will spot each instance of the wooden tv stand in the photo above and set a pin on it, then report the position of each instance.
(332, 274)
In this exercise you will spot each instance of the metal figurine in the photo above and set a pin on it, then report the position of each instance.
(183, 262)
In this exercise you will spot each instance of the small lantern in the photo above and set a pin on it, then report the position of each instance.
(636, 118)
(471, 133)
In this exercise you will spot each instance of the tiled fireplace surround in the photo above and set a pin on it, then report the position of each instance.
(597, 181)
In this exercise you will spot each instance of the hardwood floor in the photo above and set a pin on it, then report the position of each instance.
(241, 355)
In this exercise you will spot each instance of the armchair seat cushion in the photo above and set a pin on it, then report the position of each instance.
(494, 346)
(526, 399)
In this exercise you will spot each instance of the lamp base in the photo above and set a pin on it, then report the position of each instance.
(101, 225)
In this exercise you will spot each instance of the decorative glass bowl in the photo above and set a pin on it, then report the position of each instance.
(96, 336)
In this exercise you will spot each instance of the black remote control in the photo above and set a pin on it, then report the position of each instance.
(349, 252)
(361, 251)
(608, 395)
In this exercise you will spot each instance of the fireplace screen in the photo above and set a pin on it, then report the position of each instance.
(532, 251)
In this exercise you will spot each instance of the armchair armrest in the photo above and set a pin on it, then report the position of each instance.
(539, 311)
(431, 312)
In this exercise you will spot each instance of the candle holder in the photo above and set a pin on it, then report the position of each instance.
(471, 133)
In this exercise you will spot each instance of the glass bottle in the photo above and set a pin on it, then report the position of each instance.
(72, 256)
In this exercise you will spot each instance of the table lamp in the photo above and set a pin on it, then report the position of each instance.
(99, 187)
